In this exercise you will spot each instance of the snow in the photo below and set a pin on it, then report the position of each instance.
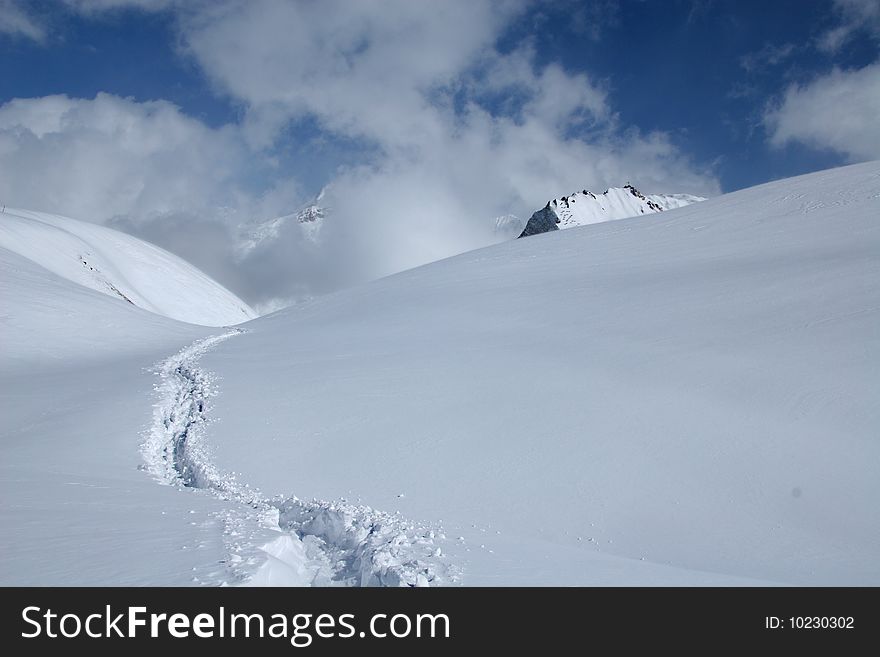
(695, 388)
(49, 322)
(309, 218)
(121, 266)
(682, 399)
(75, 507)
(584, 207)
(341, 543)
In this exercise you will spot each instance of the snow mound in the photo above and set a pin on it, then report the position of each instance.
(584, 208)
(121, 266)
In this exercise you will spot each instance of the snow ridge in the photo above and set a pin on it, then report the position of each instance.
(584, 207)
(329, 543)
(121, 266)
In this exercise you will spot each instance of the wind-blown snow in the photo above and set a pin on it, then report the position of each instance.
(121, 266)
(686, 398)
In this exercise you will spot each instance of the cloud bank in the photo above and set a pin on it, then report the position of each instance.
(837, 111)
(454, 133)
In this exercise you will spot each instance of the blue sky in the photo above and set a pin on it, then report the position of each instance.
(186, 118)
(124, 52)
(678, 66)
(688, 68)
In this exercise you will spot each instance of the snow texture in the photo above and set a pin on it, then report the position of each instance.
(324, 542)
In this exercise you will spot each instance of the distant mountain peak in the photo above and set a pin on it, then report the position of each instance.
(310, 214)
(584, 207)
(310, 218)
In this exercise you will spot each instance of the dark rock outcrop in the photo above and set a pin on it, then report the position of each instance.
(542, 221)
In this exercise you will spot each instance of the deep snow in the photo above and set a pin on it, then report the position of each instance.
(322, 543)
(686, 398)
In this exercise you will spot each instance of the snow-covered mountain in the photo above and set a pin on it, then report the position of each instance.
(577, 209)
(122, 266)
(685, 398)
(584, 208)
(310, 219)
(508, 226)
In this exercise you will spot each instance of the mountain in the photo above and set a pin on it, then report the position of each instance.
(310, 219)
(508, 226)
(121, 266)
(577, 209)
(679, 399)
(584, 208)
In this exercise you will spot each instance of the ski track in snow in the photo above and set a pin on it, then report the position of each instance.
(321, 543)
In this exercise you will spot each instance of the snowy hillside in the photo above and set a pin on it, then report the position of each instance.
(584, 208)
(121, 266)
(687, 398)
(74, 507)
(680, 399)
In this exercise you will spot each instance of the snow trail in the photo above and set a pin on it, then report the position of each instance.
(322, 543)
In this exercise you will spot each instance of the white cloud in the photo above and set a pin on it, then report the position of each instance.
(96, 6)
(150, 170)
(458, 134)
(768, 56)
(14, 21)
(837, 111)
(855, 16)
(110, 156)
(363, 68)
(425, 84)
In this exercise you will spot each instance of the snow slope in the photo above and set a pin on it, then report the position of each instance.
(584, 208)
(680, 398)
(121, 266)
(76, 394)
(687, 398)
